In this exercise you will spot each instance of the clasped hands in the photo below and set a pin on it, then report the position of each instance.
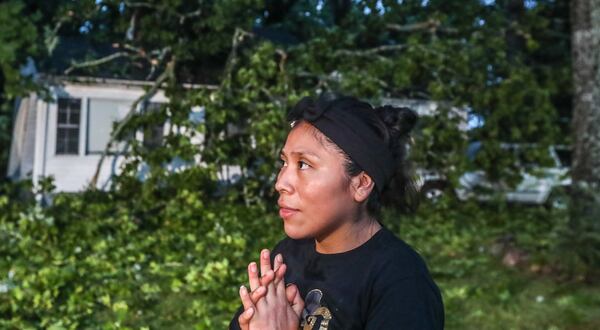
(270, 304)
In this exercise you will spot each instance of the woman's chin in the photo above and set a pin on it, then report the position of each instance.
(294, 232)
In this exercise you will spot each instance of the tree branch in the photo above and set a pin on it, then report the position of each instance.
(130, 33)
(155, 62)
(167, 74)
(432, 26)
(51, 35)
(182, 17)
(238, 37)
(96, 62)
(140, 5)
(369, 52)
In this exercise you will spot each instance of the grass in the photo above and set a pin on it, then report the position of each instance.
(505, 299)
(466, 247)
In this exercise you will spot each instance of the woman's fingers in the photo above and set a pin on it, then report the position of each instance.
(290, 293)
(253, 276)
(293, 296)
(245, 317)
(246, 299)
(267, 278)
(265, 262)
(279, 274)
(277, 267)
(260, 292)
(278, 260)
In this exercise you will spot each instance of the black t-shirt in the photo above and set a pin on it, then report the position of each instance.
(382, 284)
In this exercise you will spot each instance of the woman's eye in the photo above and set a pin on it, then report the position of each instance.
(302, 165)
(281, 163)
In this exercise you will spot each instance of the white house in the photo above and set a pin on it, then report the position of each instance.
(65, 137)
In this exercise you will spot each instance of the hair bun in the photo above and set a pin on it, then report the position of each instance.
(400, 121)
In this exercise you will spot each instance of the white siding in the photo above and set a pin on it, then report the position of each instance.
(73, 172)
(23, 142)
(41, 127)
(33, 150)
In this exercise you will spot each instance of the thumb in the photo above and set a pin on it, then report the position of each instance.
(293, 296)
(290, 293)
(245, 317)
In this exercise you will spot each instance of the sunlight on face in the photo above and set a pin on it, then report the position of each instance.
(315, 198)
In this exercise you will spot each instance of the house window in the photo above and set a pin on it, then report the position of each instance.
(67, 126)
(153, 133)
(102, 115)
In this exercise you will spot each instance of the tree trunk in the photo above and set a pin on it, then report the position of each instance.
(585, 171)
(585, 20)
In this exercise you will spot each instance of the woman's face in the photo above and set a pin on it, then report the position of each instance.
(314, 194)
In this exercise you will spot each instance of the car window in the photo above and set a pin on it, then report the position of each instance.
(564, 156)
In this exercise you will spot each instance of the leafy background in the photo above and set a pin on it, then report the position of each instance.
(170, 251)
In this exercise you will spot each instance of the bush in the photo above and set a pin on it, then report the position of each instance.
(94, 260)
(98, 260)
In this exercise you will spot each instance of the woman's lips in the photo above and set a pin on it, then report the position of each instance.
(285, 212)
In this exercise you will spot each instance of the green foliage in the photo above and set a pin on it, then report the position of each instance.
(487, 59)
(98, 260)
(170, 251)
(17, 41)
(581, 233)
(467, 246)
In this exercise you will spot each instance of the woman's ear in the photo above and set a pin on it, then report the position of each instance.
(362, 185)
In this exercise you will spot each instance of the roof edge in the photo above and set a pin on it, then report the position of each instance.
(88, 80)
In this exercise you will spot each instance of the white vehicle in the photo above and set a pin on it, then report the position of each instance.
(540, 185)
(431, 184)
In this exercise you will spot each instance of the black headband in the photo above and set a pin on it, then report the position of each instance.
(346, 122)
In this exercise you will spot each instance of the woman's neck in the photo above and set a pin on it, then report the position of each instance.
(348, 236)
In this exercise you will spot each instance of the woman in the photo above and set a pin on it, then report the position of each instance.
(339, 268)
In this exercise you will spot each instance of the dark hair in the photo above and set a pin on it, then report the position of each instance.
(393, 125)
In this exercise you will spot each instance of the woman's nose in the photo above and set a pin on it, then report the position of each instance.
(283, 183)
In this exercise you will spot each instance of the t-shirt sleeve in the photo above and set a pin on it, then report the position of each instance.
(408, 303)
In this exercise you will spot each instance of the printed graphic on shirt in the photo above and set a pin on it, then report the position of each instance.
(315, 316)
